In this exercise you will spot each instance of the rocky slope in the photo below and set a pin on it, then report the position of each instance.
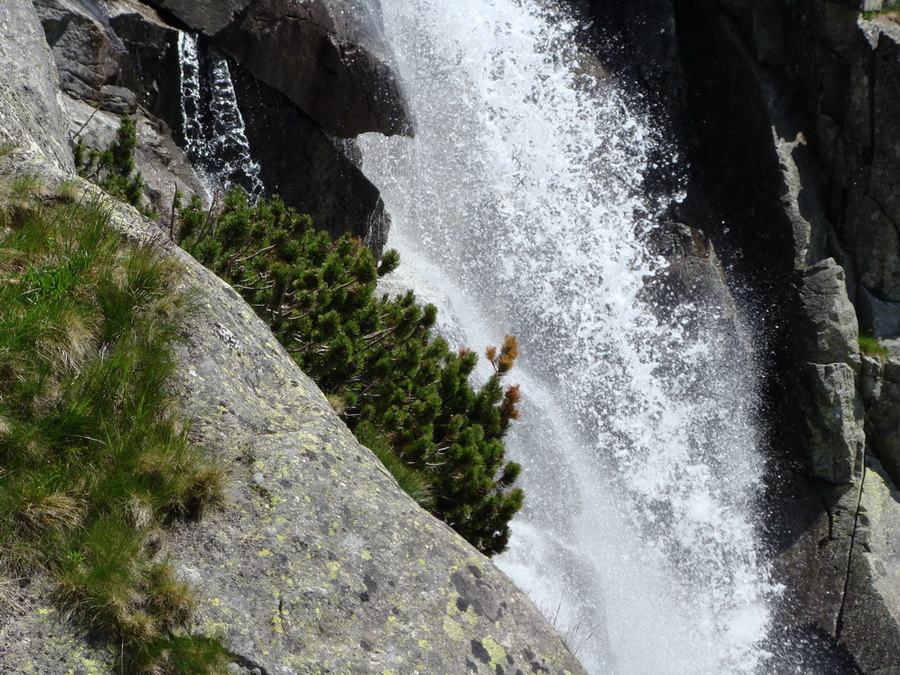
(318, 562)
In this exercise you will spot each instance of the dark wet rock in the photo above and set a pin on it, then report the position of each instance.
(311, 171)
(330, 60)
(87, 52)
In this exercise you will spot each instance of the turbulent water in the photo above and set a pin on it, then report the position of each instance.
(212, 125)
(518, 209)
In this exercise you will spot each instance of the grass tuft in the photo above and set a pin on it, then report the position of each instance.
(869, 345)
(94, 464)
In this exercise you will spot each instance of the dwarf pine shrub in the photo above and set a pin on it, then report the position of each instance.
(93, 462)
(402, 391)
(113, 168)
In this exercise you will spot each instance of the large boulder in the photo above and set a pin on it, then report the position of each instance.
(336, 69)
(870, 622)
(826, 376)
(883, 413)
(833, 417)
(30, 117)
(829, 332)
(87, 51)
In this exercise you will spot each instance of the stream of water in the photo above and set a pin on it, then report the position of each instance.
(518, 208)
(212, 125)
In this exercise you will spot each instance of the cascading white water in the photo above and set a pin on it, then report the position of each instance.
(518, 209)
(216, 142)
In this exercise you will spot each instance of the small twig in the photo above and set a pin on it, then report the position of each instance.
(86, 122)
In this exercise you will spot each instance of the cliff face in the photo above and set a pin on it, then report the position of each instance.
(127, 57)
(787, 115)
(318, 562)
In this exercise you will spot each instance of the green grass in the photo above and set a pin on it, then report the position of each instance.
(892, 12)
(870, 346)
(93, 463)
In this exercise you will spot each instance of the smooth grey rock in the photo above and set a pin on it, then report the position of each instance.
(87, 51)
(813, 563)
(833, 419)
(871, 616)
(870, 383)
(164, 166)
(829, 330)
(30, 116)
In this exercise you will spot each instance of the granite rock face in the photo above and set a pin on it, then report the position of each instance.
(123, 57)
(883, 408)
(790, 105)
(870, 622)
(334, 69)
(30, 117)
(87, 52)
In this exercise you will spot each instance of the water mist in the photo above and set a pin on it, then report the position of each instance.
(518, 208)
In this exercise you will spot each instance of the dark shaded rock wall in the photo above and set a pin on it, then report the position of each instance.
(122, 56)
(336, 71)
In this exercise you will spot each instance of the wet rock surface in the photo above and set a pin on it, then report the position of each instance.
(333, 68)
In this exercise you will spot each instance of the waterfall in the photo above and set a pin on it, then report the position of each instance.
(212, 125)
(518, 209)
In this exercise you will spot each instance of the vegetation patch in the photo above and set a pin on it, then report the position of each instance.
(114, 169)
(870, 346)
(402, 391)
(93, 462)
